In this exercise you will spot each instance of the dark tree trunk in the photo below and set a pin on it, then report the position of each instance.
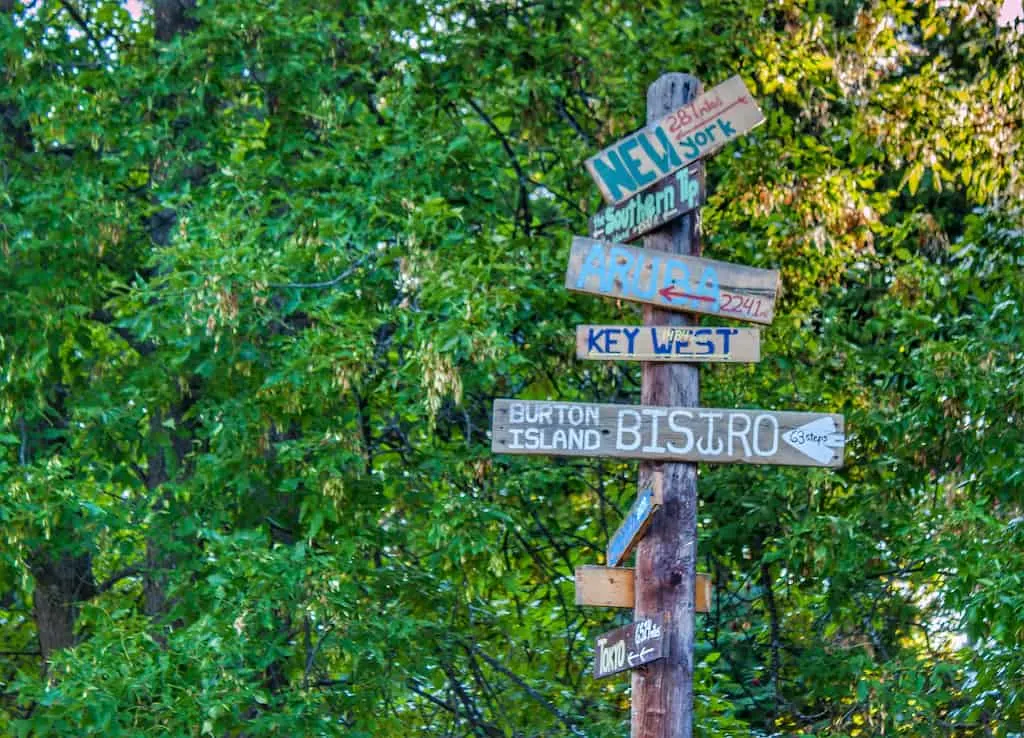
(173, 17)
(61, 583)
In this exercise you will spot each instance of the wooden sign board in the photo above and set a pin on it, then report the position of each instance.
(610, 586)
(667, 343)
(667, 433)
(636, 644)
(683, 136)
(672, 281)
(672, 197)
(636, 523)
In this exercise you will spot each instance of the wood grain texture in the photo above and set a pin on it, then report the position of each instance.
(604, 586)
(668, 343)
(666, 559)
(712, 435)
(674, 139)
(672, 281)
(614, 586)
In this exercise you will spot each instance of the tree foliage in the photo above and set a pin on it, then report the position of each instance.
(265, 265)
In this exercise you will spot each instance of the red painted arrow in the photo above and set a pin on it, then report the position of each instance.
(670, 292)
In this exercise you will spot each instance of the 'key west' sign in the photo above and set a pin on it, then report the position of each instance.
(680, 138)
(667, 343)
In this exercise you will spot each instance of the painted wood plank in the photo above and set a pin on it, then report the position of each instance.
(631, 646)
(648, 500)
(674, 141)
(610, 586)
(604, 586)
(672, 197)
(717, 436)
(671, 281)
(668, 343)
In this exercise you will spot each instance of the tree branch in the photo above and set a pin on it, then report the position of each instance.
(128, 571)
(569, 723)
(81, 23)
(323, 285)
(776, 658)
(524, 195)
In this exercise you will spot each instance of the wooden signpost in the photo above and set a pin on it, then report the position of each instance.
(667, 343)
(679, 138)
(658, 433)
(668, 429)
(614, 586)
(672, 281)
(631, 646)
(636, 522)
(671, 197)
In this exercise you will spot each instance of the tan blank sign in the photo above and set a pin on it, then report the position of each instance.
(607, 586)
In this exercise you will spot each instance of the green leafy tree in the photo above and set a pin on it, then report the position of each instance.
(264, 267)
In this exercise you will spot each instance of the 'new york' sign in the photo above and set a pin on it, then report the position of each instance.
(680, 138)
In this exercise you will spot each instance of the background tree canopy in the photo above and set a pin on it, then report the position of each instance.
(265, 265)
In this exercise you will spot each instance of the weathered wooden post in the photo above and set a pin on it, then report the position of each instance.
(666, 558)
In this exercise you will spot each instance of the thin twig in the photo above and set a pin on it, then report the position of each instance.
(81, 23)
(322, 285)
(128, 571)
(569, 723)
(573, 123)
(524, 195)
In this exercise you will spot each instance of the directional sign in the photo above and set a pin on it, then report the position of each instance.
(672, 281)
(652, 208)
(667, 433)
(680, 138)
(638, 643)
(667, 343)
(636, 522)
(610, 586)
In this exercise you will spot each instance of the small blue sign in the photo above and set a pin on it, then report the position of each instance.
(633, 527)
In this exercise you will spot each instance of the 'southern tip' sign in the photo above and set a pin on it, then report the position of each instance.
(667, 433)
(671, 143)
(677, 195)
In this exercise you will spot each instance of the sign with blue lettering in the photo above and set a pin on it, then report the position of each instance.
(680, 138)
(672, 281)
(667, 343)
(636, 522)
(677, 195)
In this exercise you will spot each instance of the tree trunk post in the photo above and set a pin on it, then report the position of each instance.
(666, 559)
